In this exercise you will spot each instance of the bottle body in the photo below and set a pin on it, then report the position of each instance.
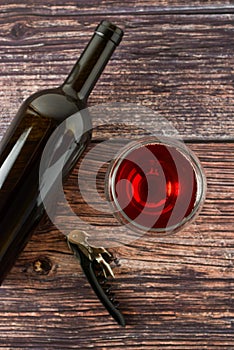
(21, 148)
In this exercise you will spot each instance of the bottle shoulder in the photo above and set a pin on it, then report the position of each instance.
(54, 104)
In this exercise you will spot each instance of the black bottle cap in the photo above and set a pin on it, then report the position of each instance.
(110, 31)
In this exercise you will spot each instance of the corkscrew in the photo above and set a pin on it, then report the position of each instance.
(95, 263)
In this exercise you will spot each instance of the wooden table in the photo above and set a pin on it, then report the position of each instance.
(176, 292)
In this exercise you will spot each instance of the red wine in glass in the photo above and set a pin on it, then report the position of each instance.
(156, 185)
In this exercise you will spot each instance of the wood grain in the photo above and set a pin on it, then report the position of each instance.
(180, 66)
(112, 7)
(175, 291)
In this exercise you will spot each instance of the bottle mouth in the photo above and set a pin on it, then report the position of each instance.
(110, 31)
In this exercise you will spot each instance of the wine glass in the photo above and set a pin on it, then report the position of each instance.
(155, 184)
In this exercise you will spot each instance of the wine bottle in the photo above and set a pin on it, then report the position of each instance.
(22, 145)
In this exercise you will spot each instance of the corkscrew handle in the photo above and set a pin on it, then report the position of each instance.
(89, 268)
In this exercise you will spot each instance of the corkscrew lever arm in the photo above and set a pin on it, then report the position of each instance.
(93, 261)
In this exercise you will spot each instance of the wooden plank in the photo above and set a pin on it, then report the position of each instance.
(176, 291)
(106, 7)
(180, 66)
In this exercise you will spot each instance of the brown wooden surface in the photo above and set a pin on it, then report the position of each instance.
(176, 292)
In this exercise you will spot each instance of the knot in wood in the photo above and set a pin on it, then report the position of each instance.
(18, 30)
(42, 266)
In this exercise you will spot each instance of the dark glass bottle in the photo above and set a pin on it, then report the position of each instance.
(22, 146)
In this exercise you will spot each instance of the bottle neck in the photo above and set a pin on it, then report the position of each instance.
(93, 60)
